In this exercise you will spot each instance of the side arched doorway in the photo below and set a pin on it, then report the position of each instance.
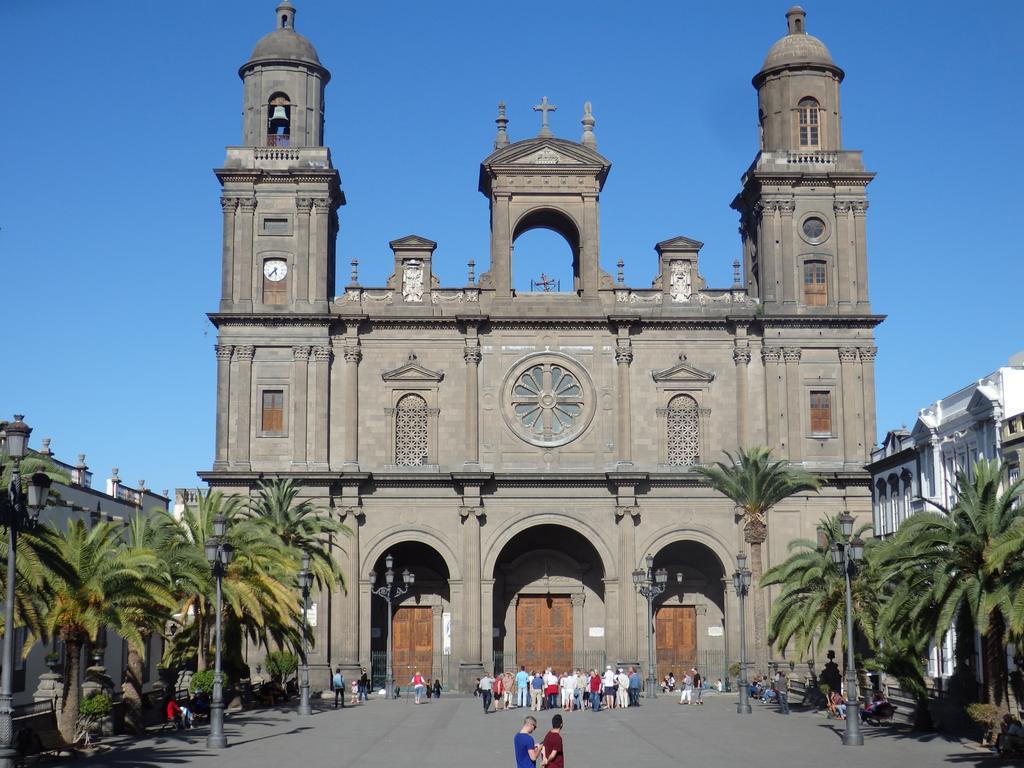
(549, 601)
(689, 617)
(420, 626)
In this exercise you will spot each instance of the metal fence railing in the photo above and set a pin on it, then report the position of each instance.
(440, 668)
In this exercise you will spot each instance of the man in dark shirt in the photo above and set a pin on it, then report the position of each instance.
(526, 750)
(553, 757)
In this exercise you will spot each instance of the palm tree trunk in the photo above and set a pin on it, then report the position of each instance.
(131, 692)
(756, 572)
(201, 642)
(995, 661)
(67, 718)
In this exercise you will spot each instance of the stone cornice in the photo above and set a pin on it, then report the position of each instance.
(228, 319)
(815, 321)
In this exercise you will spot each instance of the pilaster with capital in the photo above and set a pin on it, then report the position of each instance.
(852, 419)
(860, 212)
(224, 353)
(345, 619)
(245, 266)
(845, 254)
(352, 354)
(774, 410)
(319, 227)
(229, 205)
(627, 518)
(790, 273)
(472, 354)
(767, 249)
(242, 395)
(472, 519)
(303, 253)
(579, 641)
(319, 414)
(300, 404)
(623, 359)
(741, 357)
(867, 361)
(501, 245)
(794, 401)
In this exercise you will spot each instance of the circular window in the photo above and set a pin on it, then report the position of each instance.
(549, 399)
(814, 229)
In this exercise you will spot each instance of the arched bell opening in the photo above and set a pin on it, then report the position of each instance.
(549, 602)
(420, 626)
(546, 253)
(279, 120)
(689, 616)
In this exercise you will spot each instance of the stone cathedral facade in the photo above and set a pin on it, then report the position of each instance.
(523, 452)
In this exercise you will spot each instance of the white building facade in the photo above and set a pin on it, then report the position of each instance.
(915, 469)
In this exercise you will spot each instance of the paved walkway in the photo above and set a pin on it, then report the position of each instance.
(455, 733)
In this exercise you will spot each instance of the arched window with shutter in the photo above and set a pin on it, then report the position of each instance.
(683, 431)
(411, 433)
(809, 123)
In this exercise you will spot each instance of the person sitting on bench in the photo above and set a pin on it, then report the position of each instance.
(872, 707)
(174, 713)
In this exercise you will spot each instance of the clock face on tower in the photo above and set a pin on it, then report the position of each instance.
(275, 270)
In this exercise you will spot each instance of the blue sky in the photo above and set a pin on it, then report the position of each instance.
(117, 112)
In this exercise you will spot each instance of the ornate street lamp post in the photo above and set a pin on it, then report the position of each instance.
(219, 554)
(650, 583)
(18, 512)
(846, 554)
(305, 584)
(390, 591)
(741, 579)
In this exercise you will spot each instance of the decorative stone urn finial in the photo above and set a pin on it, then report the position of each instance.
(588, 126)
(501, 140)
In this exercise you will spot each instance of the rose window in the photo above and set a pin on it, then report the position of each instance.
(550, 401)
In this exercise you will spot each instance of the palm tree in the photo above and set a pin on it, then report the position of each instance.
(102, 584)
(148, 534)
(756, 483)
(300, 527)
(257, 588)
(961, 560)
(811, 608)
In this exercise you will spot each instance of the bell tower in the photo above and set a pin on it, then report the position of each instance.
(280, 191)
(548, 183)
(803, 204)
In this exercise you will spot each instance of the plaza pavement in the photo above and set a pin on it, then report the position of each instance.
(454, 733)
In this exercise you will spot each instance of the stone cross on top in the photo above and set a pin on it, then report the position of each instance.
(544, 108)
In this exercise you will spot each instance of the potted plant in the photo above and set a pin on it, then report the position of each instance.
(52, 660)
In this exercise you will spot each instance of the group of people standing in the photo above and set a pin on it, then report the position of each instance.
(573, 690)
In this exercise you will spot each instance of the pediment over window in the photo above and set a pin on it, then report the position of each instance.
(548, 151)
(683, 373)
(413, 371)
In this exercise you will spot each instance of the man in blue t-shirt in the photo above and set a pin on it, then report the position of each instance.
(522, 688)
(526, 749)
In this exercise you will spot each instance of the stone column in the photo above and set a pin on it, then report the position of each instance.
(612, 619)
(851, 421)
(741, 357)
(845, 255)
(300, 376)
(867, 361)
(579, 635)
(626, 521)
(223, 352)
(228, 205)
(244, 266)
(487, 623)
(794, 401)
(589, 258)
(767, 250)
(860, 211)
(318, 246)
(789, 270)
(437, 638)
(319, 414)
(623, 358)
(345, 618)
(472, 356)
(352, 354)
(243, 401)
(729, 644)
(471, 657)
(501, 245)
(365, 625)
(771, 356)
(303, 255)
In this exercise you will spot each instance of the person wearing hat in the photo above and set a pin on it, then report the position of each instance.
(609, 687)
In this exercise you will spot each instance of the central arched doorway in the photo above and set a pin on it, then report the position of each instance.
(689, 617)
(421, 621)
(549, 608)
